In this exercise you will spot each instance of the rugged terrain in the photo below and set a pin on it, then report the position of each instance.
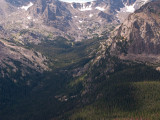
(28, 23)
(64, 60)
(122, 80)
(139, 35)
(75, 21)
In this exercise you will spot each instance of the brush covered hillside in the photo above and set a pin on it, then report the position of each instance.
(79, 61)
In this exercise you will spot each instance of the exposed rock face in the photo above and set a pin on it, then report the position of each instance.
(53, 12)
(81, 20)
(140, 33)
(15, 57)
(11, 54)
(76, 20)
(135, 41)
(130, 7)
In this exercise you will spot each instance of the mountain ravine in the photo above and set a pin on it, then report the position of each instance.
(96, 60)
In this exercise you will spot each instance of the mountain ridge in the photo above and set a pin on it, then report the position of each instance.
(66, 60)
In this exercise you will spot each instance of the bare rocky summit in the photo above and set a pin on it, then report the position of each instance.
(139, 36)
(76, 21)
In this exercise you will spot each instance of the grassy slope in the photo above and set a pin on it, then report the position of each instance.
(131, 93)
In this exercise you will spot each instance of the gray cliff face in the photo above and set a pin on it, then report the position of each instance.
(84, 19)
(77, 20)
(53, 13)
(139, 34)
(11, 54)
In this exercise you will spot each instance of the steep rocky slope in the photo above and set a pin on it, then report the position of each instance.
(75, 21)
(16, 58)
(138, 37)
(134, 42)
(84, 20)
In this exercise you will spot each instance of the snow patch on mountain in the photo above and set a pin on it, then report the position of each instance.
(80, 21)
(27, 7)
(72, 6)
(29, 18)
(133, 7)
(85, 8)
(130, 8)
(100, 8)
(145, 1)
(91, 15)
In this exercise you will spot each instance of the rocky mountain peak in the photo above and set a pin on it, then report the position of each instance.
(78, 20)
(139, 34)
